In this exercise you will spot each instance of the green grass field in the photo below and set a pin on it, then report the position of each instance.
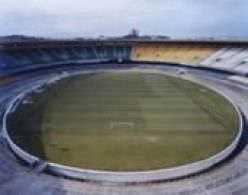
(124, 122)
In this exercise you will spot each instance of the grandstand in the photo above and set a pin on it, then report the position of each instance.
(176, 53)
(222, 55)
(219, 56)
(22, 59)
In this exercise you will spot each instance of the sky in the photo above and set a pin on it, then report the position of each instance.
(91, 18)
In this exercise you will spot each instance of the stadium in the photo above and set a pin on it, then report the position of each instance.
(124, 115)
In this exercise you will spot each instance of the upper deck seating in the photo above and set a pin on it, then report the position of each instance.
(25, 59)
(175, 53)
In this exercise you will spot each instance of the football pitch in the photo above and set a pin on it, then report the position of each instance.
(125, 121)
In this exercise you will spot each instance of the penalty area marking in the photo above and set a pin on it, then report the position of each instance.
(121, 125)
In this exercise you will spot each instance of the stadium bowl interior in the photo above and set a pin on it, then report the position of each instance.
(101, 64)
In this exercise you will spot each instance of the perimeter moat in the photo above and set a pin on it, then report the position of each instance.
(125, 121)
